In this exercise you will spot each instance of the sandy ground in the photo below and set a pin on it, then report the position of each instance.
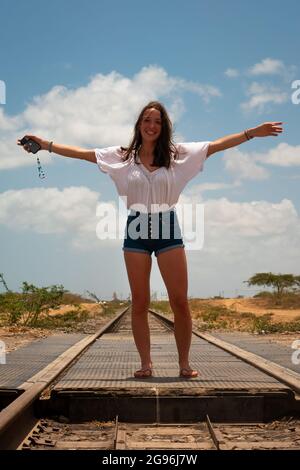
(91, 307)
(16, 336)
(256, 306)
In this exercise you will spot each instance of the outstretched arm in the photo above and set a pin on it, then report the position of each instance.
(64, 150)
(263, 130)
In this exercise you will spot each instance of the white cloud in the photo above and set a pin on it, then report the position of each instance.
(284, 155)
(252, 219)
(231, 73)
(270, 66)
(256, 230)
(262, 95)
(241, 239)
(101, 113)
(71, 211)
(242, 166)
(8, 123)
(199, 189)
(267, 67)
(246, 165)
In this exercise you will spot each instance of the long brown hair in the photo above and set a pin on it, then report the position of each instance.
(164, 148)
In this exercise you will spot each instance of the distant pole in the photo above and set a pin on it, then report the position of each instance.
(3, 282)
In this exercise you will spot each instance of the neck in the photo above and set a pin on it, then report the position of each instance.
(147, 149)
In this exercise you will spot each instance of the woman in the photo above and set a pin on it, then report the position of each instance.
(154, 170)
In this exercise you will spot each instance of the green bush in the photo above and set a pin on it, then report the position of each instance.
(26, 307)
(247, 315)
(264, 294)
(212, 315)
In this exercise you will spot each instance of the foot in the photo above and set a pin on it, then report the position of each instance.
(188, 373)
(143, 373)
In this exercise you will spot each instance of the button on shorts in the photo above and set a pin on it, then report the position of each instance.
(152, 232)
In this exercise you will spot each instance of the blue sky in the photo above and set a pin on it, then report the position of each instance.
(78, 73)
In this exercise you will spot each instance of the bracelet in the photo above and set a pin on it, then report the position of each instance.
(248, 137)
(50, 147)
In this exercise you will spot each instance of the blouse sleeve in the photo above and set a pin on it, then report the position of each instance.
(109, 159)
(190, 159)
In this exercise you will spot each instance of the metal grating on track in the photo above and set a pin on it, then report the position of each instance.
(28, 360)
(124, 325)
(110, 362)
(262, 346)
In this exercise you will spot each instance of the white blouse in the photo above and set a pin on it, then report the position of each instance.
(160, 186)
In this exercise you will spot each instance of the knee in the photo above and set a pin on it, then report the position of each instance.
(179, 303)
(140, 303)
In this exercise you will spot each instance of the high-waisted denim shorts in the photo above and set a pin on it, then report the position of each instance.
(156, 231)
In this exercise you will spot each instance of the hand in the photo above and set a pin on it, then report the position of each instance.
(266, 129)
(43, 143)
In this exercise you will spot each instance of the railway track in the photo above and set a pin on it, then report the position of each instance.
(22, 428)
(53, 435)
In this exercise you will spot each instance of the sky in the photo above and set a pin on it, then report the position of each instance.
(78, 73)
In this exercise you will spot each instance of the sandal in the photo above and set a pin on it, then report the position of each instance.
(186, 373)
(143, 373)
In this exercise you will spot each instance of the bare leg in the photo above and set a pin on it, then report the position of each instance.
(173, 268)
(138, 267)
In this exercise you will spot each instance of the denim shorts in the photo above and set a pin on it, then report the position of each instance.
(156, 231)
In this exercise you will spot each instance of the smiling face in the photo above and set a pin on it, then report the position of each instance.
(150, 126)
(153, 135)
